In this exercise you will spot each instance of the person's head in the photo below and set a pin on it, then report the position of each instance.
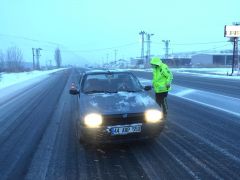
(156, 61)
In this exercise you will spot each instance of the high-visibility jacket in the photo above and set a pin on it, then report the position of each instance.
(162, 78)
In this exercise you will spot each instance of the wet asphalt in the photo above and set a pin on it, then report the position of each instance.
(38, 137)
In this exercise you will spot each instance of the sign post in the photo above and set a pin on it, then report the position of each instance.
(233, 32)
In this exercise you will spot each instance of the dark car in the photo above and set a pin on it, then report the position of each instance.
(114, 107)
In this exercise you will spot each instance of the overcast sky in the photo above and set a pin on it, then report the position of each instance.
(86, 31)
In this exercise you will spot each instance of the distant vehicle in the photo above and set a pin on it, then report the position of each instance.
(114, 107)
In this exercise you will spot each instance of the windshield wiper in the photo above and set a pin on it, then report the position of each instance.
(110, 91)
(99, 91)
(127, 90)
(94, 91)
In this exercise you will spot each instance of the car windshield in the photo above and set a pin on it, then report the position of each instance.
(111, 83)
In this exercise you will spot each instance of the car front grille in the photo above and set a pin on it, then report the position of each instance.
(122, 119)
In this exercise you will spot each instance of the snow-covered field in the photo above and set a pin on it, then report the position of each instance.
(11, 83)
(8, 79)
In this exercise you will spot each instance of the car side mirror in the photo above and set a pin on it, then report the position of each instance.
(147, 88)
(73, 90)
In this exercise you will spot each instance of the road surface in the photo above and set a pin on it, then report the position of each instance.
(37, 139)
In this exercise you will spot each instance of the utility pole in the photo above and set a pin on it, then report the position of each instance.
(235, 50)
(107, 58)
(142, 33)
(33, 58)
(166, 42)
(103, 61)
(115, 54)
(148, 48)
(235, 54)
(38, 56)
(233, 32)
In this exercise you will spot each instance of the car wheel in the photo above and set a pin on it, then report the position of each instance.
(152, 139)
(79, 136)
(81, 140)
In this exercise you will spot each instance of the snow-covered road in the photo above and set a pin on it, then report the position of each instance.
(211, 100)
(38, 137)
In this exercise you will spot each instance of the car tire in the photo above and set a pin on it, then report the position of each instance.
(81, 140)
(152, 139)
(79, 136)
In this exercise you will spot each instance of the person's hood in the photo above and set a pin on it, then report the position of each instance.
(156, 61)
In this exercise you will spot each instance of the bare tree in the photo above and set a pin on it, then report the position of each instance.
(58, 57)
(1, 61)
(14, 59)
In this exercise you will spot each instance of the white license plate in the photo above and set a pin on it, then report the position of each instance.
(125, 129)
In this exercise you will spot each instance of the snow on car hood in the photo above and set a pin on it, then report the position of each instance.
(116, 103)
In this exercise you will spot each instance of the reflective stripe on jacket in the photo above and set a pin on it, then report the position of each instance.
(162, 77)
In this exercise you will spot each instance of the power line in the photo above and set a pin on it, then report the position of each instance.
(29, 39)
(69, 50)
(190, 44)
(202, 51)
(198, 43)
(213, 48)
(108, 48)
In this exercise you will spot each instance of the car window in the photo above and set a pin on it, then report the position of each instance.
(113, 82)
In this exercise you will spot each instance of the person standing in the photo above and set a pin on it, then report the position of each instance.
(162, 79)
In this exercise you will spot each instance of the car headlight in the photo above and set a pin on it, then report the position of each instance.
(93, 120)
(153, 116)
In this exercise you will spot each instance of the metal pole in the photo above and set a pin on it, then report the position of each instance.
(33, 58)
(142, 33)
(38, 56)
(115, 53)
(148, 49)
(166, 42)
(236, 53)
(107, 59)
(37, 59)
(142, 54)
(167, 48)
(235, 41)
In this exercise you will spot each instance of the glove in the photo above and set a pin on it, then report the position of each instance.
(168, 86)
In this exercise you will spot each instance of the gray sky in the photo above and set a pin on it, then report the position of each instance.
(86, 31)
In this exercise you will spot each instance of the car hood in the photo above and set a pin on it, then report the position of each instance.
(116, 103)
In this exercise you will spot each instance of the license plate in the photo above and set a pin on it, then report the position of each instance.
(125, 129)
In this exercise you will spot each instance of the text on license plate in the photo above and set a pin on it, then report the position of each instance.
(126, 129)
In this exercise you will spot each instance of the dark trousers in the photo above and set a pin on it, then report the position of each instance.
(161, 99)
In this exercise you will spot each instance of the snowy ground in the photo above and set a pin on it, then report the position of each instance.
(203, 72)
(8, 79)
(220, 102)
(209, 72)
(14, 81)
(11, 83)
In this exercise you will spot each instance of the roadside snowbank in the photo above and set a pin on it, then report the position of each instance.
(9, 79)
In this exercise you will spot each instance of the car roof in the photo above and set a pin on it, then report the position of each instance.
(105, 71)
